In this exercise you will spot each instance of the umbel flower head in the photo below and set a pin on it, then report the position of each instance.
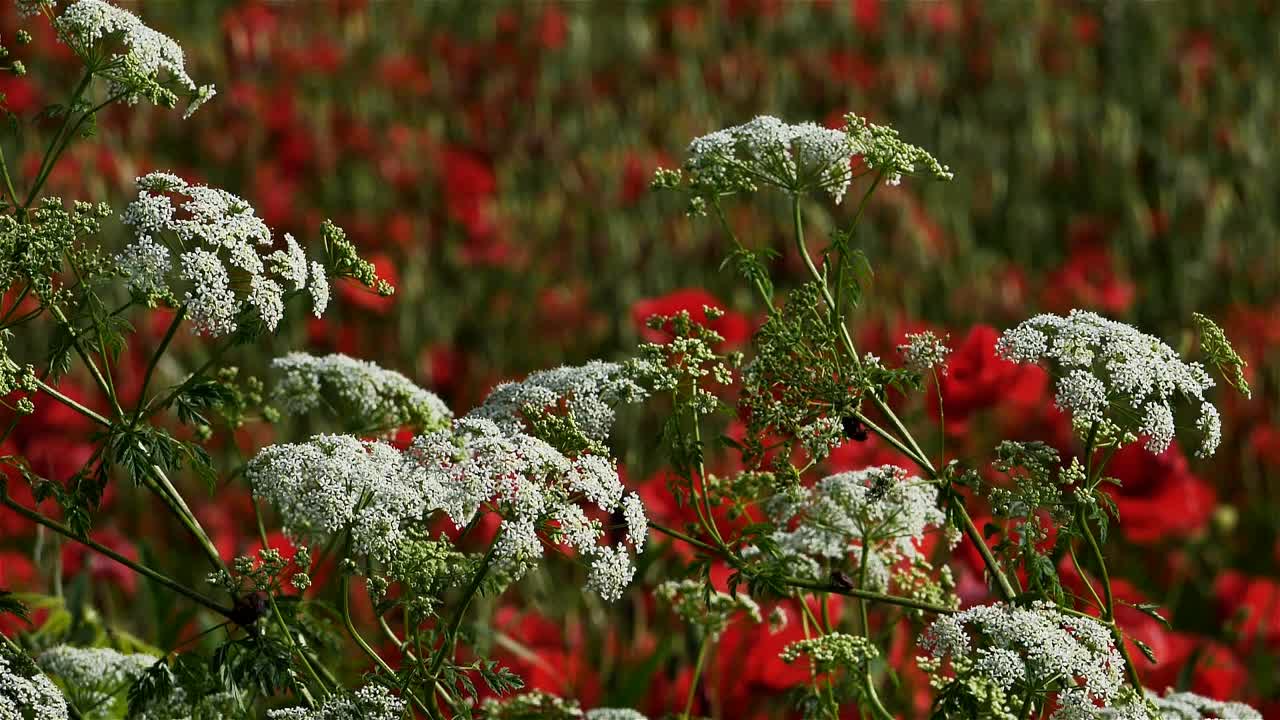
(1178, 706)
(371, 702)
(366, 397)
(25, 692)
(1112, 374)
(880, 511)
(148, 64)
(799, 159)
(588, 392)
(1000, 652)
(334, 483)
(710, 610)
(227, 257)
(536, 490)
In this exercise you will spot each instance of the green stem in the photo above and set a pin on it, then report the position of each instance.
(697, 673)
(53, 392)
(451, 637)
(102, 383)
(155, 359)
(284, 627)
(364, 646)
(56, 146)
(108, 552)
(809, 584)
(178, 506)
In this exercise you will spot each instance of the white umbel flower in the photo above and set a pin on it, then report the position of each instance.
(1038, 647)
(590, 392)
(534, 488)
(229, 262)
(333, 483)
(796, 158)
(26, 693)
(150, 64)
(615, 714)
(637, 522)
(146, 265)
(880, 509)
(1111, 372)
(371, 702)
(365, 396)
(95, 677)
(611, 572)
(924, 351)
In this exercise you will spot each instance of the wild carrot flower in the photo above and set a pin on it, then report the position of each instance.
(1112, 373)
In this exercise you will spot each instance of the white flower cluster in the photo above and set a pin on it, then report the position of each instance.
(227, 255)
(797, 158)
(924, 351)
(1039, 647)
(371, 702)
(28, 695)
(615, 714)
(338, 483)
(1190, 706)
(531, 485)
(27, 8)
(363, 394)
(95, 677)
(1111, 372)
(879, 508)
(712, 611)
(135, 73)
(590, 392)
(333, 483)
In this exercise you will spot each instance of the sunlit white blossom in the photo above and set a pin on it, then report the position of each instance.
(150, 64)
(334, 483)
(590, 392)
(371, 702)
(1038, 647)
(363, 395)
(611, 572)
(26, 693)
(229, 261)
(1110, 371)
(924, 351)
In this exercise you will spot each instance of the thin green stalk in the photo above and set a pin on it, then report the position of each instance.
(451, 636)
(178, 506)
(102, 383)
(364, 646)
(697, 673)
(139, 568)
(288, 632)
(52, 152)
(56, 395)
(809, 584)
(155, 359)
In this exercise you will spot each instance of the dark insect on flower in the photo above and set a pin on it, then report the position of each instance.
(249, 609)
(853, 428)
(841, 580)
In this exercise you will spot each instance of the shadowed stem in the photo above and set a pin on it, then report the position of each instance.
(808, 584)
(139, 568)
